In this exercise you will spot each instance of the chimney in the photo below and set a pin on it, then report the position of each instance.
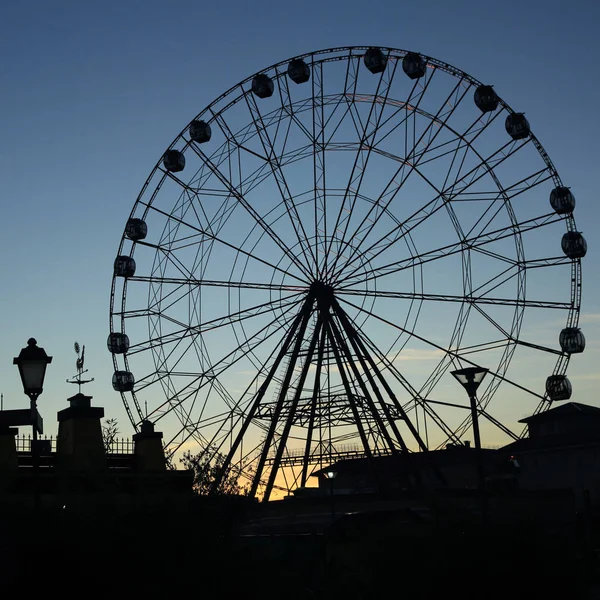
(149, 453)
(79, 444)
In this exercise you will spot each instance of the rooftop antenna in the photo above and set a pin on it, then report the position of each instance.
(79, 365)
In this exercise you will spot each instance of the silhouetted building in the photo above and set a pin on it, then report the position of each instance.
(81, 476)
(453, 467)
(561, 452)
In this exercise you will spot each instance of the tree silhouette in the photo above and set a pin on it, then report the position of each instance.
(207, 467)
(110, 430)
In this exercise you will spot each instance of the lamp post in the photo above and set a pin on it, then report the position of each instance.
(331, 475)
(470, 378)
(32, 362)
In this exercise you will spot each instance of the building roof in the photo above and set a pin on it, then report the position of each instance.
(568, 409)
(553, 442)
(434, 458)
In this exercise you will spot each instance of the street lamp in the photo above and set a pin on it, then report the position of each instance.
(331, 475)
(470, 378)
(32, 362)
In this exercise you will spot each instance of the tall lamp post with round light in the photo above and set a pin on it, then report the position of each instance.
(331, 475)
(32, 362)
(470, 378)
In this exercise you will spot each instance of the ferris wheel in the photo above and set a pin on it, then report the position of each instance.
(322, 245)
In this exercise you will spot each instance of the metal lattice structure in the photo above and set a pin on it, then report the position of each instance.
(321, 245)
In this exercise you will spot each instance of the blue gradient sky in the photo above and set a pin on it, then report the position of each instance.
(93, 92)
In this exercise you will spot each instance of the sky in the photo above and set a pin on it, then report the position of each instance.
(94, 92)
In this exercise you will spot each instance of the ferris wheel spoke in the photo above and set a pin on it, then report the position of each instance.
(515, 270)
(250, 181)
(461, 429)
(540, 263)
(255, 215)
(392, 192)
(482, 411)
(461, 145)
(166, 251)
(209, 325)
(191, 281)
(420, 216)
(407, 108)
(511, 337)
(291, 109)
(316, 139)
(454, 299)
(189, 429)
(491, 345)
(453, 353)
(451, 192)
(319, 172)
(232, 138)
(230, 359)
(367, 133)
(507, 193)
(274, 163)
(457, 247)
(244, 348)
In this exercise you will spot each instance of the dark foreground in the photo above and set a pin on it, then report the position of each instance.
(291, 549)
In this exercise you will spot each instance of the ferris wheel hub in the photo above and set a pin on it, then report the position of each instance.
(321, 291)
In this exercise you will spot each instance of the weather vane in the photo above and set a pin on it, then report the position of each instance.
(79, 365)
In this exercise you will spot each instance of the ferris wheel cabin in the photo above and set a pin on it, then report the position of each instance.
(136, 229)
(123, 381)
(200, 131)
(414, 65)
(517, 126)
(298, 71)
(573, 244)
(124, 266)
(486, 98)
(375, 60)
(571, 340)
(117, 343)
(174, 161)
(562, 200)
(262, 86)
(558, 387)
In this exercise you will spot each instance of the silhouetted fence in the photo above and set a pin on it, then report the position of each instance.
(121, 446)
(47, 444)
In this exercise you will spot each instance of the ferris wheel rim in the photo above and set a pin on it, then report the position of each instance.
(573, 314)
